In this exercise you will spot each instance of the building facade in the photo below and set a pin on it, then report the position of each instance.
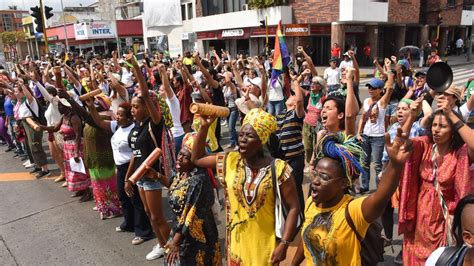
(384, 25)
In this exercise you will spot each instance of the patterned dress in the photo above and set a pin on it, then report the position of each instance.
(75, 181)
(250, 206)
(99, 159)
(191, 198)
(425, 229)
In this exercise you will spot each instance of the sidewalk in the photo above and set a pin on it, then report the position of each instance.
(368, 72)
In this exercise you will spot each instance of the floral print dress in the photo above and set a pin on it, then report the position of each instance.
(191, 198)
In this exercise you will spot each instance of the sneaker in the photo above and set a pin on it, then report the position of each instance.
(137, 241)
(27, 162)
(119, 229)
(94, 208)
(156, 253)
(36, 170)
(399, 258)
(43, 174)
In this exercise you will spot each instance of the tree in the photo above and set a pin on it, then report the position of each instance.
(266, 3)
(12, 37)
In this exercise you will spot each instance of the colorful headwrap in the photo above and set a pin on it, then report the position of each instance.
(102, 102)
(346, 150)
(262, 122)
(188, 141)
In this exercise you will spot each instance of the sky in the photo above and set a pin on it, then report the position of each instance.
(55, 4)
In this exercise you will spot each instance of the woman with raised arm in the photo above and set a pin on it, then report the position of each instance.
(53, 116)
(148, 134)
(70, 126)
(372, 127)
(436, 175)
(135, 217)
(327, 236)
(98, 157)
(248, 176)
(194, 238)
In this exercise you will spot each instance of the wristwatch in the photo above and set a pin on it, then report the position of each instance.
(458, 125)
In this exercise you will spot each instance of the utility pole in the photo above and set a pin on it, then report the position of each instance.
(64, 26)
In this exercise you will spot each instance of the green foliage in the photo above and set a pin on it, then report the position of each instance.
(266, 3)
(12, 37)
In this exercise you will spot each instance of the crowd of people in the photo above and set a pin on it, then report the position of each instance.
(104, 117)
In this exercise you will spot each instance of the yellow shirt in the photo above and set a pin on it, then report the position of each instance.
(250, 209)
(187, 61)
(328, 238)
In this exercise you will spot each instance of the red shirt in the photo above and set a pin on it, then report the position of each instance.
(335, 51)
(185, 100)
(367, 50)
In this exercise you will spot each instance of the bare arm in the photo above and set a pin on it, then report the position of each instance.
(209, 80)
(198, 154)
(77, 126)
(427, 111)
(308, 59)
(104, 124)
(385, 100)
(299, 98)
(154, 114)
(374, 205)
(351, 106)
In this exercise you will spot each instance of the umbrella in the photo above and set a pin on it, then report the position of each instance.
(409, 49)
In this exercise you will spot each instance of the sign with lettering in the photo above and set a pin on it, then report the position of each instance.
(232, 33)
(297, 30)
(95, 30)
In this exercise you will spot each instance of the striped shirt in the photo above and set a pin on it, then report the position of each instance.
(289, 132)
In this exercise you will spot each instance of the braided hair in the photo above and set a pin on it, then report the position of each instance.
(346, 150)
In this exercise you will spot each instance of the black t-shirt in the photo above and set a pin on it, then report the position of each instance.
(217, 96)
(142, 143)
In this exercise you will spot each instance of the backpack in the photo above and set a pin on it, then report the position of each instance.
(39, 118)
(371, 246)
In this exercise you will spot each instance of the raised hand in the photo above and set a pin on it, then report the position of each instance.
(398, 150)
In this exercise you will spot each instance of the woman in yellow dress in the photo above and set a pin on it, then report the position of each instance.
(246, 176)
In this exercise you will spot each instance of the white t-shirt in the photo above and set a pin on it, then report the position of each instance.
(126, 77)
(175, 110)
(119, 141)
(376, 129)
(459, 43)
(434, 257)
(332, 76)
(24, 112)
(275, 93)
(345, 64)
(115, 102)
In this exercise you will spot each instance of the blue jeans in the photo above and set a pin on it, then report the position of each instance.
(178, 142)
(233, 116)
(373, 149)
(276, 107)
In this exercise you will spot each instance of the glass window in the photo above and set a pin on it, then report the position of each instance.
(190, 10)
(183, 12)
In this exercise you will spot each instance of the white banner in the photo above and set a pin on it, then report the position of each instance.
(162, 13)
(95, 30)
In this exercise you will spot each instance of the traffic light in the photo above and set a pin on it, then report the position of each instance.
(263, 24)
(47, 12)
(38, 18)
(440, 20)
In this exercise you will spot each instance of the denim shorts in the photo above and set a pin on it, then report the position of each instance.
(147, 183)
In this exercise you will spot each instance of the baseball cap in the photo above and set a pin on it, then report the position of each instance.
(375, 83)
(333, 59)
(420, 73)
